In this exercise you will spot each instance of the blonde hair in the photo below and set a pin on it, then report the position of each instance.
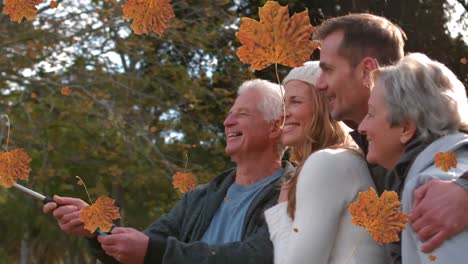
(324, 132)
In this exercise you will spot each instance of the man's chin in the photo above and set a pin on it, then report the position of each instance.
(336, 115)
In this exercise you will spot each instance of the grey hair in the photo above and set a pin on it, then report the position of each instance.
(426, 92)
(271, 102)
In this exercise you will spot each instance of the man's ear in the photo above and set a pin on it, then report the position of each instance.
(408, 130)
(275, 128)
(368, 64)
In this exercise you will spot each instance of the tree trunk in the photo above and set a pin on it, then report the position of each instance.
(24, 251)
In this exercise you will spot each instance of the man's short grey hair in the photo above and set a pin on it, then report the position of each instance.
(271, 93)
(426, 92)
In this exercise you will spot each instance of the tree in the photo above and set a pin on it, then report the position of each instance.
(140, 102)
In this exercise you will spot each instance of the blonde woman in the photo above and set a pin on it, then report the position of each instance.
(311, 223)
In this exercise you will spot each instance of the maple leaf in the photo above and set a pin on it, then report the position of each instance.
(183, 181)
(432, 257)
(148, 15)
(53, 4)
(381, 216)
(17, 9)
(463, 60)
(100, 214)
(66, 91)
(445, 160)
(14, 164)
(276, 38)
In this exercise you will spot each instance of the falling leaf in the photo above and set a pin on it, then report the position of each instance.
(53, 4)
(226, 199)
(14, 165)
(74, 41)
(276, 38)
(295, 229)
(445, 160)
(153, 129)
(381, 216)
(66, 91)
(100, 214)
(148, 15)
(33, 95)
(183, 181)
(96, 10)
(432, 257)
(463, 60)
(17, 9)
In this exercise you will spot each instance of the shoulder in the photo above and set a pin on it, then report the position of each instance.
(332, 156)
(338, 165)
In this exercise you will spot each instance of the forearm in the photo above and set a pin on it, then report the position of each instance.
(255, 249)
(279, 226)
(96, 250)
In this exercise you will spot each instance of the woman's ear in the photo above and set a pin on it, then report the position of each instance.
(408, 130)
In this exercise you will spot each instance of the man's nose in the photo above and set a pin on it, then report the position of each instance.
(229, 121)
(321, 84)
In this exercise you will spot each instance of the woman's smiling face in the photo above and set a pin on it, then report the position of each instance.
(299, 111)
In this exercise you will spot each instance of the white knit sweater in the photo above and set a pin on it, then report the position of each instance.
(322, 231)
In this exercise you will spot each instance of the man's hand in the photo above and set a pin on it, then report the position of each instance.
(68, 215)
(440, 211)
(126, 245)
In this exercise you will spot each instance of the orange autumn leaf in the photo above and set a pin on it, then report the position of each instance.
(153, 129)
(432, 257)
(17, 9)
(183, 181)
(14, 165)
(100, 214)
(463, 60)
(276, 38)
(445, 160)
(66, 91)
(53, 4)
(381, 216)
(148, 15)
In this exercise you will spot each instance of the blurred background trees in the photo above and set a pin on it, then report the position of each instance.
(139, 103)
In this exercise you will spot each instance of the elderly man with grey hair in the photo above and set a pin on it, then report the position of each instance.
(219, 222)
(418, 109)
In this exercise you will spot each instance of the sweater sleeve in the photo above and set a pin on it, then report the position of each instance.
(158, 233)
(329, 180)
(280, 226)
(164, 247)
(463, 181)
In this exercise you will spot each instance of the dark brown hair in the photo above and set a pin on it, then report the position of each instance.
(365, 35)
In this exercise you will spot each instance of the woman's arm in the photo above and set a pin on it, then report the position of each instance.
(328, 182)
